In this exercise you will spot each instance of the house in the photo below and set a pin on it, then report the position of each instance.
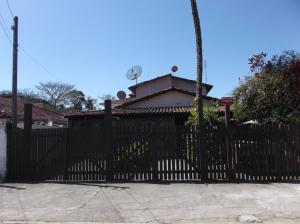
(164, 99)
(41, 116)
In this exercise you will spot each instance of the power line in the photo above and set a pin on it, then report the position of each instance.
(38, 63)
(9, 8)
(4, 29)
(5, 24)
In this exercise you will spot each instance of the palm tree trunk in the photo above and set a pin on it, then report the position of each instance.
(199, 89)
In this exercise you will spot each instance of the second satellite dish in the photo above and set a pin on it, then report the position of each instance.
(134, 72)
(174, 68)
(121, 95)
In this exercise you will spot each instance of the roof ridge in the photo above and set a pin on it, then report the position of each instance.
(157, 94)
(138, 108)
(163, 76)
(134, 111)
(47, 109)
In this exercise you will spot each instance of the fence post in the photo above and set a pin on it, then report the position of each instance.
(27, 140)
(278, 150)
(66, 133)
(203, 152)
(154, 149)
(108, 140)
(230, 154)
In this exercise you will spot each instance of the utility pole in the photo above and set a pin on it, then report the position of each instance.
(15, 74)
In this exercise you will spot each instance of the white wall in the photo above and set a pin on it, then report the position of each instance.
(188, 86)
(153, 87)
(166, 83)
(169, 99)
(3, 149)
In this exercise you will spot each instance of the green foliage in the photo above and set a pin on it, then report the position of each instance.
(65, 96)
(56, 93)
(272, 94)
(212, 114)
(76, 98)
(90, 103)
(26, 94)
(107, 97)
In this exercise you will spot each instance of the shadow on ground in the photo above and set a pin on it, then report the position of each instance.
(12, 187)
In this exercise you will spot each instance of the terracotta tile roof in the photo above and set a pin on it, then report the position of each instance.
(136, 111)
(3, 115)
(38, 111)
(132, 88)
(165, 91)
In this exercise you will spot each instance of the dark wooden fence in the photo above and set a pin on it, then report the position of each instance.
(144, 153)
(124, 152)
(254, 152)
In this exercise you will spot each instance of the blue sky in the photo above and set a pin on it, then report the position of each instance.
(92, 43)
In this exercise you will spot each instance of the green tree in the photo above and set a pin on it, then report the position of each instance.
(107, 97)
(76, 98)
(272, 94)
(56, 93)
(90, 103)
(26, 94)
(212, 114)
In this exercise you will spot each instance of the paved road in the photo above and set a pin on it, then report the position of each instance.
(149, 203)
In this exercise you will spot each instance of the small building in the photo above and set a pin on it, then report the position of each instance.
(164, 99)
(41, 116)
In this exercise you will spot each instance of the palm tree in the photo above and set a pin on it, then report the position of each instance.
(199, 87)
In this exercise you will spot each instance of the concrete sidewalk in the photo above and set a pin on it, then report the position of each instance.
(149, 203)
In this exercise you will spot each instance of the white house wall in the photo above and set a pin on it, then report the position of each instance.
(153, 87)
(166, 83)
(187, 86)
(169, 99)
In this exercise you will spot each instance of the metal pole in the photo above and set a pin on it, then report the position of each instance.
(227, 116)
(230, 155)
(15, 73)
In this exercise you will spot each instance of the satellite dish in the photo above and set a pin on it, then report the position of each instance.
(134, 72)
(121, 95)
(174, 68)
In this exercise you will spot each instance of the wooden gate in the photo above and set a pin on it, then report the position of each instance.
(47, 154)
(155, 153)
(86, 156)
(132, 152)
(136, 153)
(44, 159)
(268, 152)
